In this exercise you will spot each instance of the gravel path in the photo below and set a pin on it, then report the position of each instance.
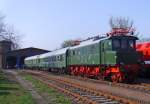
(28, 86)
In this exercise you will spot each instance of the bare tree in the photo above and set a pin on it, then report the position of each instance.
(14, 36)
(69, 43)
(8, 33)
(2, 25)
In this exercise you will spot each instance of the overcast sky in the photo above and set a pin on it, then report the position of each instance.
(47, 23)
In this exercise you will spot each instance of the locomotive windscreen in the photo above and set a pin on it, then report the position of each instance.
(118, 44)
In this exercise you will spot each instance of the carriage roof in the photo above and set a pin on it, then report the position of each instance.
(32, 57)
(53, 53)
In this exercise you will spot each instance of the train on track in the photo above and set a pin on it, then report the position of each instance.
(144, 48)
(113, 57)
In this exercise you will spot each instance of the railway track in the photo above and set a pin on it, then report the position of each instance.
(143, 87)
(139, 86)
(80, 94)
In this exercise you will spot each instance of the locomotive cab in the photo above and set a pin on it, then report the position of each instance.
(124, 47)
(119, 50)
(120, 56)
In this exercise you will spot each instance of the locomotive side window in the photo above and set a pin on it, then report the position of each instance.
(73, 52)
(124, 44)
(91, 49)
(132, 44)
(116, 44)
(103, 47)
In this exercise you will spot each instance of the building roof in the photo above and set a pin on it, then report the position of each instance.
(27, 52)
(29, 48)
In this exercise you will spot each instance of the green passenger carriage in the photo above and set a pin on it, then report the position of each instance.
(53, 61)
(32, 62)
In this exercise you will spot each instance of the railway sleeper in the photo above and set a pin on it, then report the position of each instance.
(81, 87)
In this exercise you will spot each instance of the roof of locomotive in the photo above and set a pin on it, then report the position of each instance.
(125, 36)
(93, 41)
(89, 42)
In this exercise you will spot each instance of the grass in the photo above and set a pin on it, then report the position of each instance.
(12, 93)
(55, 97)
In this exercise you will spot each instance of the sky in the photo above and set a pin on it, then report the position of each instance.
(47, 23)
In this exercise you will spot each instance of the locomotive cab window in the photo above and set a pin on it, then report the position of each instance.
(132, 43)
(124, 44)
(116, 44)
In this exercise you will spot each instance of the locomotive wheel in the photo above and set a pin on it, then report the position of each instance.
(100, 76)
(114, 78)
(120, 78)
(72, 72)
(130, 79)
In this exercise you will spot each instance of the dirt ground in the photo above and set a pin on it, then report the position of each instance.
(43, 98)
(12, 75)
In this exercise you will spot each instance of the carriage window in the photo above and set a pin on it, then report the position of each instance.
(49, 59)
(116, 44)
(55, 58)
(61, 57)
(58, 58)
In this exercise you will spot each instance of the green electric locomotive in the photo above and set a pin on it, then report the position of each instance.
(111, 57)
